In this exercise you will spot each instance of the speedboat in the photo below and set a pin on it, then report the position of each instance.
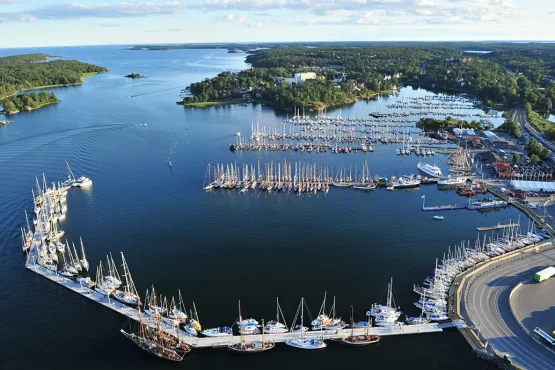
(439, 217)
(416, 320)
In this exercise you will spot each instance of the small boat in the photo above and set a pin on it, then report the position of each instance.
(416, 320)
(301, 341)
(275, 326)
(86, 281)
(438, 217)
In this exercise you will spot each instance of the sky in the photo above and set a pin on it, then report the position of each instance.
(28, 23)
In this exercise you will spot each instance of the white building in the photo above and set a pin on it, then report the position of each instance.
(301, 77)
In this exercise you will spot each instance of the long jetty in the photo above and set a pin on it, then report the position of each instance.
(133, 314)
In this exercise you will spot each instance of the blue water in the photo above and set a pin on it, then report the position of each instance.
(216, 247)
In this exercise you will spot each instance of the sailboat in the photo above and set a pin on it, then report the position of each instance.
(360, 340)
(156, 342)
(301, 341)
(129, 294)
(193, 327)
(252, 347)
(275, 326)
(83, 260)
(386, 315)
(178, 311)
(322, 319)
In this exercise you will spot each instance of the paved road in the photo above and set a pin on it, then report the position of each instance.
(529, 130)
(486, 306)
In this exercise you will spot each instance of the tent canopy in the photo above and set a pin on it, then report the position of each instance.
(533, 185)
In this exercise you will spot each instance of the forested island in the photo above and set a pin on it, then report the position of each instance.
(450, 123)
(28, 102)
(134, 75)
(509, 74)
(33, 71)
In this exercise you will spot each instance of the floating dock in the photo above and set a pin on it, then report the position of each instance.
(444, 208)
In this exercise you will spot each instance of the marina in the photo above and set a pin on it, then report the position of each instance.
(176, 236)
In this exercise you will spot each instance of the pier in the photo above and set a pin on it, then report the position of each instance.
(222, 341)
(444, 208)
(496, 227)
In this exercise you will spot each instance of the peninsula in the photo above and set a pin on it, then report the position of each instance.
(28, 102)
(24, 72)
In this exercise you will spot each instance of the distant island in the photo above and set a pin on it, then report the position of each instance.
(28, 102)
(24, 72)
(134, 75)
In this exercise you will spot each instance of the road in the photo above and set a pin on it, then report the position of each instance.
(486, 306)
(529, 130)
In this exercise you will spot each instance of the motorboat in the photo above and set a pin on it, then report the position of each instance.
(438, 217)
(223, 331)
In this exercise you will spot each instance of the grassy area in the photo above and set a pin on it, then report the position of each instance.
(539, 123)
(213, 103)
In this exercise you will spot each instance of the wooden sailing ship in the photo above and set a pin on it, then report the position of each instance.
(360, 340)
(251, 347)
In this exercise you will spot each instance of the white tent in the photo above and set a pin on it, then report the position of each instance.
(533, 185)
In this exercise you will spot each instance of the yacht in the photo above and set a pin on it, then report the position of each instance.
(428, 169)
(301, 341)
(248, 326)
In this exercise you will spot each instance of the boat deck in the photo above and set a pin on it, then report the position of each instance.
(204, 342)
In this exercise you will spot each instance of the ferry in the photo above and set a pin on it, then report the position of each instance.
(428, 169)
(405, 182)
(487, 204)
(451, 182)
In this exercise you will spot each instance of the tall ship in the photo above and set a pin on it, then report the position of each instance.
(487, 204)
(451, 182)
(428, 169)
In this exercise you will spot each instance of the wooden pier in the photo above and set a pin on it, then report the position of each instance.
(497, 227)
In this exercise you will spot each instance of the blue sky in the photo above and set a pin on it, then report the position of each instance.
(86, 22)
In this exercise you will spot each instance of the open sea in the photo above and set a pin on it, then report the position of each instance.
(217, 247)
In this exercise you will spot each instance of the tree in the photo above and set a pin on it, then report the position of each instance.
(516, 158)
(9, 106)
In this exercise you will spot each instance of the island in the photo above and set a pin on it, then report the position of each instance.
(28, 102)
(316, 77)
(134, 75)
(24, 72)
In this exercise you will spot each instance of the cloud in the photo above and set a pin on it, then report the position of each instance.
(103, 10)
(338, 12)
(237, 18)
(166, 30)
(8, 1)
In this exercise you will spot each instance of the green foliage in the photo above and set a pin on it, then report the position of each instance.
(539, 123)
(23, 72)
(516, 158)
(30, 101)
(449, 122)
(512, 128)
(536, 150)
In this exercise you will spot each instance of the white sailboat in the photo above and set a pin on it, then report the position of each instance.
(129, 294)
(275, 326)
(301, 341)
(83, 260)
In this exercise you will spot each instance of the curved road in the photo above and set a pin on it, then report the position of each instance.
(486, 306)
